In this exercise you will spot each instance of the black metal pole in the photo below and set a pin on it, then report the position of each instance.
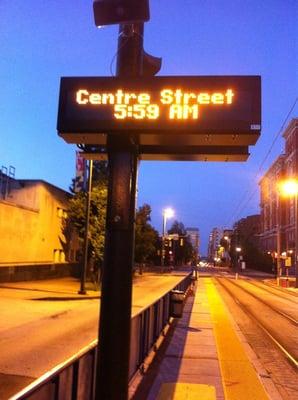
(163, 240)
(86, 239)
(296, 238)
(115, 313)
(278, 240)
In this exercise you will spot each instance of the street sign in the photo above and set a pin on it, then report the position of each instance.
(288, 262)
(159, 109)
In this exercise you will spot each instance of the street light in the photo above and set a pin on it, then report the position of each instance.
(238, 251)
(166, 214)
(227, 251)
(86, 234)
(289, 188)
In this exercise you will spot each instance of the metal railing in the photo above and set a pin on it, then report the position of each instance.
(74, 379)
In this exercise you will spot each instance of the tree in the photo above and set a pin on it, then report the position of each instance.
(146, 237)
(245, 235)
(177, 227)
(182, 248)
(97, 218)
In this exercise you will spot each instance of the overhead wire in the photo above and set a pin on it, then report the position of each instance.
(239, 208)
(119, 48)
(116, 54)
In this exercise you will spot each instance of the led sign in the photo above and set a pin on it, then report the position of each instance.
(181, 105)
(172, 105)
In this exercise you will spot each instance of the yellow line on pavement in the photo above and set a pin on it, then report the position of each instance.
(239, 378)
(186, 391)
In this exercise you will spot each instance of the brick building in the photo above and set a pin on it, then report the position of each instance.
(214, 243)
(194, 237)
(249, 227)
(276, 209)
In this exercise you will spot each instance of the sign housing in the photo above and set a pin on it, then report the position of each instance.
(162, 111)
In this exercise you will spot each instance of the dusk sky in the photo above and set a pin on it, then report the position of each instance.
(42, 41)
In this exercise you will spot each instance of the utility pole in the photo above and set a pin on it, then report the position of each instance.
(296, 238)
(278, 239)
(115, 310)
(86, 238)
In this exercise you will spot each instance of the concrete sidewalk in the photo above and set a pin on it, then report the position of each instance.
(53, 289)
(67, 288)
(202, 356)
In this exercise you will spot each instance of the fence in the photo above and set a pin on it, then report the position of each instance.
(75, 378)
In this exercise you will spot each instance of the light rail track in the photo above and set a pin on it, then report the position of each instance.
(291, 319)
(273, 290)
(287, 352)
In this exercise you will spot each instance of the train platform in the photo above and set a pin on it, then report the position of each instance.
(204, 356)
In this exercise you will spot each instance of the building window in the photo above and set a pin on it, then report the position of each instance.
(61, 213)
(59, 256)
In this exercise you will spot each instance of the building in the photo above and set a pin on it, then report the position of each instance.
(214, 243)
(278, 212)
(272, 209)
(225, 247)
(291, 171)
(32, 215)
(249, 228)
(194, 237)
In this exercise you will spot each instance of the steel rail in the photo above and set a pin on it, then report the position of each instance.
(280, 292)
(247, 311)
(291, 319)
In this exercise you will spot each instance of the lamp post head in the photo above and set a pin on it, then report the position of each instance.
(168, 212)
(288, 187)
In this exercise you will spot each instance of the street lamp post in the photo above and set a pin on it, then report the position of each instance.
(296, 237)
(290, 188)
(167, 213)
(86, 237)
(278, 240)
(227, 251)
(238, 251)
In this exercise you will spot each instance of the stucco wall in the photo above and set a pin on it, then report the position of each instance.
(32, 234)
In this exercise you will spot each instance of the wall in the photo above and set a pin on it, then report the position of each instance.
(31, 220)
(274, 206)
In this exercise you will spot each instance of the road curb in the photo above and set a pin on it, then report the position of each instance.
(57, 298)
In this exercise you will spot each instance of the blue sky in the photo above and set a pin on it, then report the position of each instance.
(42, 41)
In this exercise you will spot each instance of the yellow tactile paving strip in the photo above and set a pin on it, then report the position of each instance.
(186, 391)
(239, 378)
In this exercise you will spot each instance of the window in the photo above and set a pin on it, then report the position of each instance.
(61, 213)
(59, 256)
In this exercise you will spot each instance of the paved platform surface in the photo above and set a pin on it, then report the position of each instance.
(202, 357)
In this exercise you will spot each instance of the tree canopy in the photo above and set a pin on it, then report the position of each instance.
(97, 218)
(245, 236)
(146, 237)
(183, 249)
